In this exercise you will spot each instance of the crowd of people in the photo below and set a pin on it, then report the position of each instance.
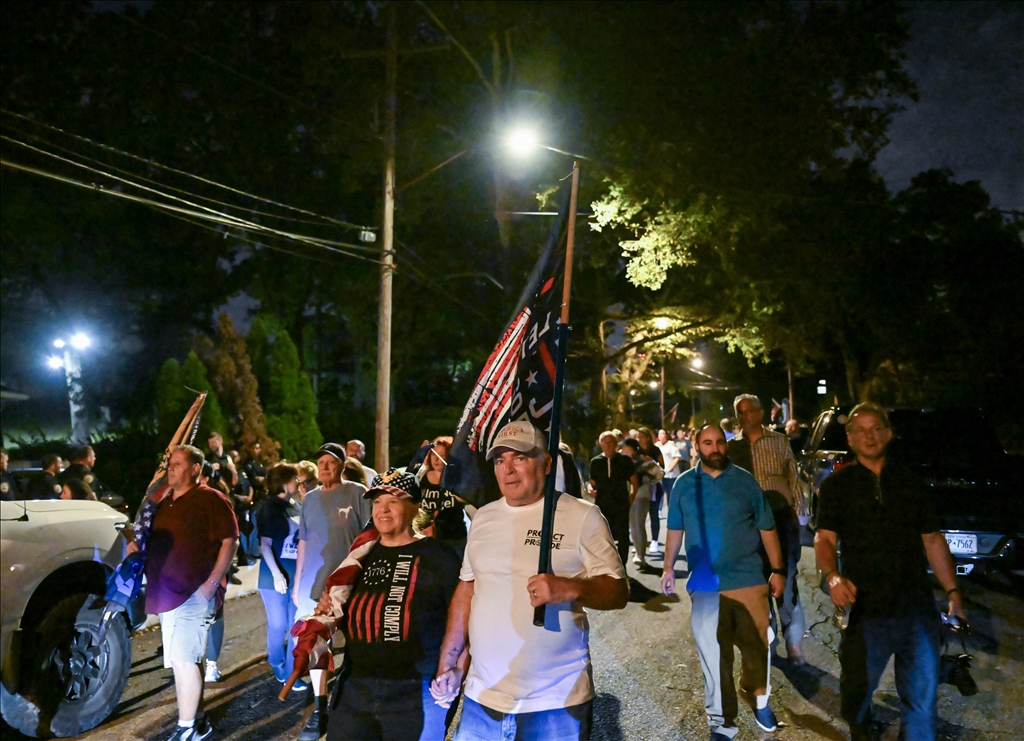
(434, 607)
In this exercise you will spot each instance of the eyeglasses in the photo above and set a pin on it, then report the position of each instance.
(868, 431)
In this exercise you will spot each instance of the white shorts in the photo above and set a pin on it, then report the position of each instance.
(185, 630)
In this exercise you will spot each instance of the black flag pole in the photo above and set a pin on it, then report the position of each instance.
(550, 497)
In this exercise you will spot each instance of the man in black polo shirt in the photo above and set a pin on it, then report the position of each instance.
(614, 484)
(880, 515)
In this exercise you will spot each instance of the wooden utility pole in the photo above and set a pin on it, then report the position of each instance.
(387, 248)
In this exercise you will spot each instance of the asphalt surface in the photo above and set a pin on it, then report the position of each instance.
(646, 674)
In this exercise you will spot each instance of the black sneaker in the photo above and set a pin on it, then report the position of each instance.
(202, 729)
(316, 726)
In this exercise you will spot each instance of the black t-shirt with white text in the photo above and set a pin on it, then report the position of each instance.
(449, 523)
(395, 617)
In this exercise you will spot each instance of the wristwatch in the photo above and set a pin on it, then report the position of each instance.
(780, 572)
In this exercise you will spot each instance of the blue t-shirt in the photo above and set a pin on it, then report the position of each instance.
(278, 519)
(722, 518)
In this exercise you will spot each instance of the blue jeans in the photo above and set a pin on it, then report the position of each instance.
(280, 618)
(479, 723)
(371, 709)
(791, 611)
(216, 640)
(865, 651)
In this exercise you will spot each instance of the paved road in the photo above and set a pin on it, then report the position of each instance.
(645, 669)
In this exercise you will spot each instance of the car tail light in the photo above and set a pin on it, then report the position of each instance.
(839, 464)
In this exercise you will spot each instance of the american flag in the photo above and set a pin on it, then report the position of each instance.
(517, 382)
(518, 379)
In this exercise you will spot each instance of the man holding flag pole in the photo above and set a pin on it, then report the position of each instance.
(526, 628)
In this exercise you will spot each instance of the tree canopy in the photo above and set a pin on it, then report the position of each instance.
(729, 173)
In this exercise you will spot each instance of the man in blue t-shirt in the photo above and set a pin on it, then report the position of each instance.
(727, 522)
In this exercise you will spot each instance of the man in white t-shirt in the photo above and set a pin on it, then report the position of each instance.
(533, 682)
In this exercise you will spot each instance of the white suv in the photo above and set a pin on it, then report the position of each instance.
(55, 556)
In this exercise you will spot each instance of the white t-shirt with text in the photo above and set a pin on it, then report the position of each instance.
(516, 666)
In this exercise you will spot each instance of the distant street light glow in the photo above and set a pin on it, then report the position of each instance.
(54, 362)
(522, 141)
(662, 322)
(698, 362)
(654, 384)
(58, 343)
(80, 341)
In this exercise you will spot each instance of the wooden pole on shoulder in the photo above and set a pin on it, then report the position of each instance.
(550, 496)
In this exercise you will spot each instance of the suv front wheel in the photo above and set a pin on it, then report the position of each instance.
(70, 681)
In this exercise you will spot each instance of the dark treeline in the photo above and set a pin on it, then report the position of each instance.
(730, 177)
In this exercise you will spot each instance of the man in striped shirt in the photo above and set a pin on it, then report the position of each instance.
(767, 455)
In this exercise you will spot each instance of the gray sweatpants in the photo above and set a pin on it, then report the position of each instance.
(721, 620)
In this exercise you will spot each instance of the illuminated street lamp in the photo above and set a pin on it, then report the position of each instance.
(697, 362)
(522, 141)
(662, 323)
(72, 365)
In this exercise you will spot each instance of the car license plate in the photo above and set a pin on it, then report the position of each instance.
(962, 543)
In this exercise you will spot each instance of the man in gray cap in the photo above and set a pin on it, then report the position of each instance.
(332, 516)
(536, 680)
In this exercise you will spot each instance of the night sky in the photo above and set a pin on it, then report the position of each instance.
(968, 61)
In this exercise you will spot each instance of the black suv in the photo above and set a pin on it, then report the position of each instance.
(978, 490)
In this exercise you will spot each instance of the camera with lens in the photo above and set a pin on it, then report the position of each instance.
(955, 669)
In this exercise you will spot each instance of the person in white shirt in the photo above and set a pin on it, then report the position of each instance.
(535, 680)
(671, 456)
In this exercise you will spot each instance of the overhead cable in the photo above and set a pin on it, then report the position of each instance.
(227, 218)
(225, 204)
(154, 163)
(214, 217)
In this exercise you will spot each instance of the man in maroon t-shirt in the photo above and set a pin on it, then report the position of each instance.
(189, 551)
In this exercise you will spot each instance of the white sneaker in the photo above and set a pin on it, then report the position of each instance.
(212, 672)
(637, 559)
(654, 549)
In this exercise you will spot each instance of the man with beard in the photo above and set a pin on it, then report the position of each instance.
(727, 522)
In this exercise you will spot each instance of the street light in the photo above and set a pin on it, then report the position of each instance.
(72, 365)
(662, 323)
(698, 362)
(654, 384)
(522, 141)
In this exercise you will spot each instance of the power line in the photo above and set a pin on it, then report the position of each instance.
(154, 163)
(225, 204)
(226, 218)
(166, 207)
